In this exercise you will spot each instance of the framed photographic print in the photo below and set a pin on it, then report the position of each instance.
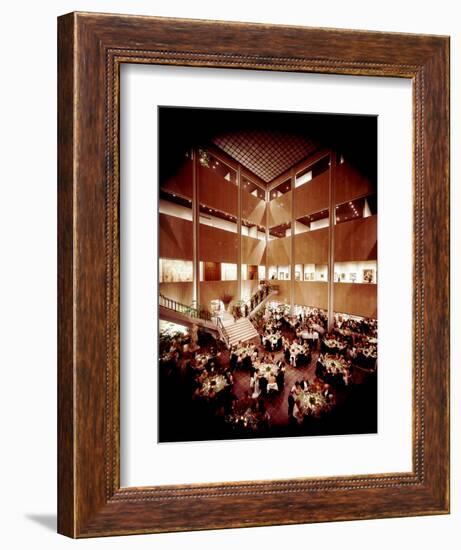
(203, 166)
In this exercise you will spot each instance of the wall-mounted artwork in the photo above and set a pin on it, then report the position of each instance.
(368, 276)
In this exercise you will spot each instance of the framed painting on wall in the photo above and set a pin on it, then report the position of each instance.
(172, 349)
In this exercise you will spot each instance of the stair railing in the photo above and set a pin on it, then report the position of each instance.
(222, 330)
(260, 295)
(194, 312)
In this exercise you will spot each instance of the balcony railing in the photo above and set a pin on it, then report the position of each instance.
(194, 312)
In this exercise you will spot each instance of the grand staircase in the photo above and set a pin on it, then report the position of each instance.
(239, 331)
(229, 330)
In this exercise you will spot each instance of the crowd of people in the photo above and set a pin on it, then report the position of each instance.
(289, 344)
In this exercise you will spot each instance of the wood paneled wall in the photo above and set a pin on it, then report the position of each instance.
(356, 240)
(175, 238)
(181, 292)
(312, 247)
(278, 251)
(311, 293)
(253, 209)
(217, 245)
(214, 289)
(212, 271)
(280, 210)
(253, 251)
(313, 196)
(284, 291)
(216, 192)
(351, 184)
(181, 182)
(356, 299)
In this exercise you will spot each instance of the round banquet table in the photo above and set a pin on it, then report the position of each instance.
(310, 403)
(267, 370)
(212, 386)
(332, 370)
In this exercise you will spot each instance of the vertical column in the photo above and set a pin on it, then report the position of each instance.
(292, 244)
(239, 234)
(266, 218)
(331, 239)
(196, 229)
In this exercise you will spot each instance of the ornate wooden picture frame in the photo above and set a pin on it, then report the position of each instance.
(92, 48)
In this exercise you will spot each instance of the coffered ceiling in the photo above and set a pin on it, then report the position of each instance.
(266, 153)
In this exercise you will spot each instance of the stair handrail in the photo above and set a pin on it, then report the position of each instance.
(260, 295)
(196, 313)
(222, 330)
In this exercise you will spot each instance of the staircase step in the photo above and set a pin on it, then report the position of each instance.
(240, 331)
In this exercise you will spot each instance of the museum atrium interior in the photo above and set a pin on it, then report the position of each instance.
(267, 273)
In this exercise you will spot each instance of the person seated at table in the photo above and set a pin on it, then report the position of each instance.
(263, 382)
(304, 384)
(202, 376)
(233, 360)
(255, 386)
(296, 389)
(298, 415)
(347, 377)
(279, 341)
(352, 353)
(327, 393)
(272, 386)
(246, 362)
(229, 377)
(320, 366)
(304, 355)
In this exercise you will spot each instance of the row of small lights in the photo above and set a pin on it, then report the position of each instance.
(217, 163)
(227, 215)
(351, 205)
(308, 217)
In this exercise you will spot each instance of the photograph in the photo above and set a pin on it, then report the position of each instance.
(264, 220)
(228, 318)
